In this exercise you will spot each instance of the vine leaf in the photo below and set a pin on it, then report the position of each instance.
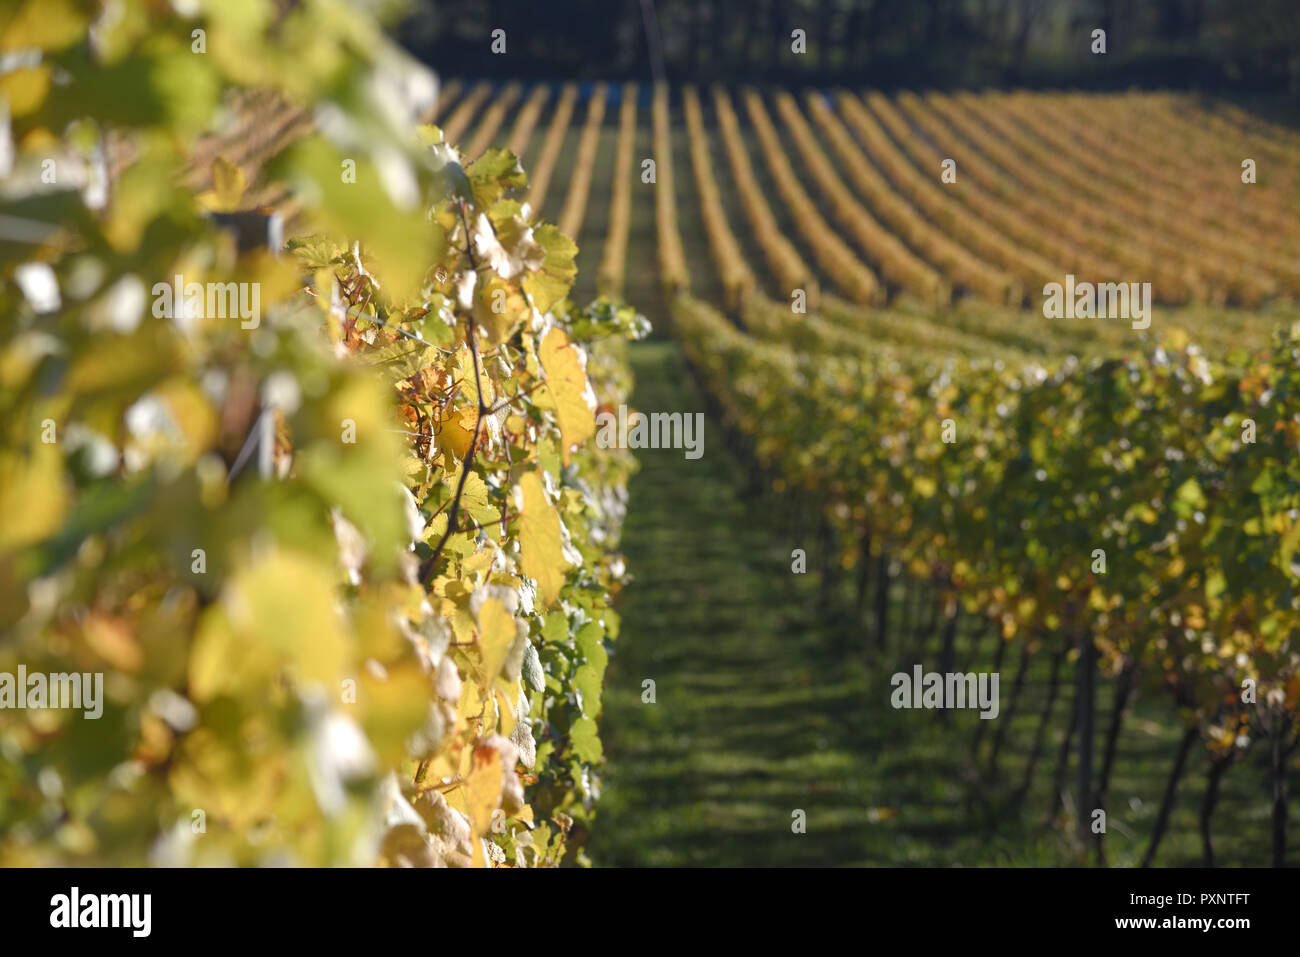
(541, 541)
(496, 633)
(483, 789)
(585, 741)
(228, 185)
(575, 403)
(551, 283)
(492, 174)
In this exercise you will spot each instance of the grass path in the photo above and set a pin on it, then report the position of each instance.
(756, 713)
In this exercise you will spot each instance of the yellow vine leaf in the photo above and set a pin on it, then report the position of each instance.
(541, 542)
(277, 612)
(228, 185)
(499, 308)
(457, 431)
(506, 701)
(483, 788)
(471, 708)
(496, 632)
(465, 360)
(566, 377)
(43, 24)
(33, 495)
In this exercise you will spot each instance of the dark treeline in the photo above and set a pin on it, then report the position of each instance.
(1215, 45)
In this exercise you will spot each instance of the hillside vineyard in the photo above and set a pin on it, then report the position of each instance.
(1030, 350)
(916, 194)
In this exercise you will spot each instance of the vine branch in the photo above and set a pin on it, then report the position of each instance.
(426, 569)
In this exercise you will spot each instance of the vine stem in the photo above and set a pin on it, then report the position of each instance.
(431, 563)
